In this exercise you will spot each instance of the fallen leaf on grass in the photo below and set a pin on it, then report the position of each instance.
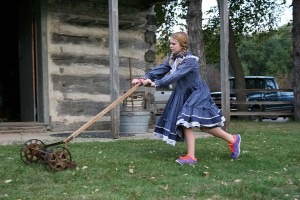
(138, 194)
(131, 167)
(84, 167)
(206, 173)
(164, 187)
(224, 183)
(238, 180)
(8, 181)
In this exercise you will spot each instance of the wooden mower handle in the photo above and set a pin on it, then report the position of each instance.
(103, 112)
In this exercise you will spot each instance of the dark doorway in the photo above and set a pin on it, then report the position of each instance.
(17, 71)
(9, 68)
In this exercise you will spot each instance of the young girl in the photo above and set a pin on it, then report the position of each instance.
(189, 105)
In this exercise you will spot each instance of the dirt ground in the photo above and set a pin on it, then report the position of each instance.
(51, 137)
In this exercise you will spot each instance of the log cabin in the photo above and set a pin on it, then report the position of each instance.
(55, 68)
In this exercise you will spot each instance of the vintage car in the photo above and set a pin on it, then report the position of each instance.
(162, 95)
(260, 82)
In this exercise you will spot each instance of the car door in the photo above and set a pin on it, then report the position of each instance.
(272, 96)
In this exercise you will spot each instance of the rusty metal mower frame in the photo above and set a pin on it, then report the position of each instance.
(59, 158)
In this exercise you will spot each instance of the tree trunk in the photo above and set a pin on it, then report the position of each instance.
(195, 32)
(237, 70)
(296, 57)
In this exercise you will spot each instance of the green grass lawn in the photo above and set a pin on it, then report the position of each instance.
(268, 168)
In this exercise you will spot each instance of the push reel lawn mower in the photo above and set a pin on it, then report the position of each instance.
(56, 156)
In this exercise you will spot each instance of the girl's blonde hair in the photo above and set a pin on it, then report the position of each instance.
(183, 40)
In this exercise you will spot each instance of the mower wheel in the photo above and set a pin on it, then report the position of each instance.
(58, 160)
(30, 151)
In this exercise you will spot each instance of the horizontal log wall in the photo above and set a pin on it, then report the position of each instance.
(78, 48)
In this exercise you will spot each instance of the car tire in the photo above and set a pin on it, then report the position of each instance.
(256, 109)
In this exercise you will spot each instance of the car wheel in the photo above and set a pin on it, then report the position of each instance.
(256, 117)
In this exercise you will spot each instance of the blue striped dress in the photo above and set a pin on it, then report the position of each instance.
(189, 105)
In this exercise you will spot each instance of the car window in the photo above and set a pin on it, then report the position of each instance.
(251, 83)
(254, 83)
(270, 84)
(165, 88)
(231, 84)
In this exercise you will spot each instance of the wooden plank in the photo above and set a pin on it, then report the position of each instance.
(18, 127)
(258, 102)
(263, 90)
(245, 113)
(262, 102)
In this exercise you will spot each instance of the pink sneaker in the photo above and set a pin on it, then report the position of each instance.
(235, 147)
(183, 160)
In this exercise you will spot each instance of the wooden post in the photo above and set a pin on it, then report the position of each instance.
(114, 64)
(224, 41)
(130, 79)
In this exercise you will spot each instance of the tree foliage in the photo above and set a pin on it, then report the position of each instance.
(168, 15)
(247, 17)
(272, 56)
